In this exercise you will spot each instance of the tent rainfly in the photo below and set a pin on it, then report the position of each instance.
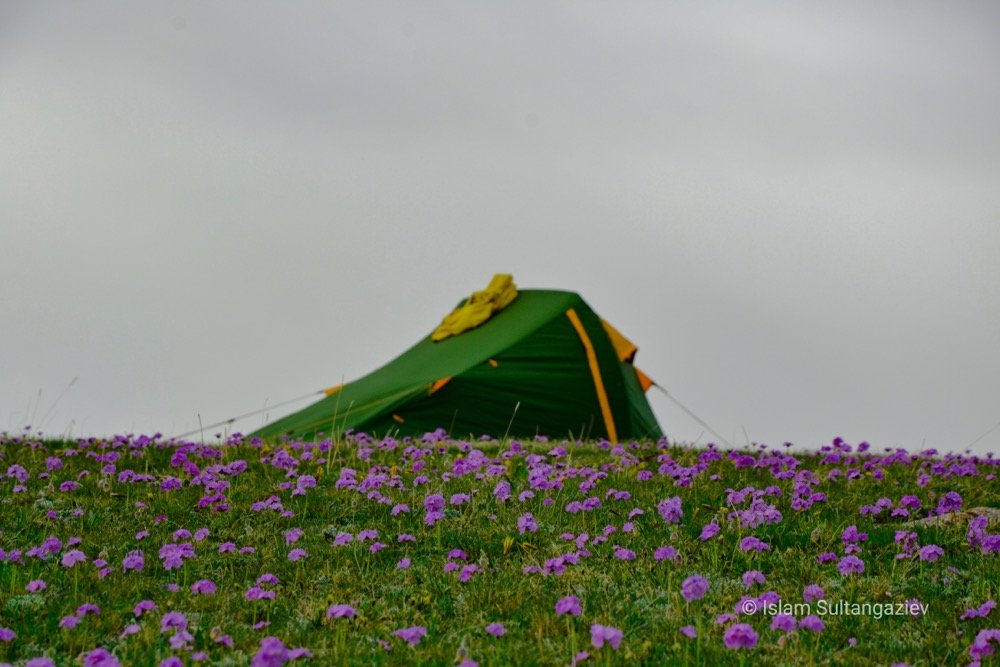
(520, 363)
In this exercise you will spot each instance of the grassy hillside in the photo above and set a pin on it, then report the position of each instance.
(140, 552)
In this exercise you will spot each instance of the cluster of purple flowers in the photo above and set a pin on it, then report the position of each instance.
(528, 488)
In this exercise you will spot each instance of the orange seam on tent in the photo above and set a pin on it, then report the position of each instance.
(440, 383)
(644, 380)
(398, 419)
(330, 391)
(625, 348)
(595, 371)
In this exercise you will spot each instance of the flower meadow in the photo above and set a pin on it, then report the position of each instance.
(146, 551)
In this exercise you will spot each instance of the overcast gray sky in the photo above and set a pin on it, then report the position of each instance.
(792, 208)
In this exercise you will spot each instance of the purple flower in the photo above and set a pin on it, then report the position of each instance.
(502, 490)
(569, 605)
(433, 503)
(783, 622)
(135, 560)
(401, 508)
(851, 535)
(694, 587)
(40, 662)
(170, 484)
(981, 645)
(949, 502)
(69, 622)
(7, 635)
(740, 635)
(751, 577)
(666, 553)
(272, 653)
(144, 606)
(71, 558)
(851, 565)
(173, 555)
(36, 586)
(708, 531)
(526, 523)
(601, 634)
(496, 629)
(100, 657)
(341, 611)
(173, 620)
(752, 543)
(982, 611)
(930, 553)
(670, 509)
(915, 607)
(297, 554)
(257, 593)
(403, 564)
(204, 587)
(621, 553)
(88, 608)
(689, 631)
(411, 635)
(812, 622)
(812, 592)
(293, 535)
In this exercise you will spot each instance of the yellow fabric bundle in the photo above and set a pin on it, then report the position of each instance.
(478, 308)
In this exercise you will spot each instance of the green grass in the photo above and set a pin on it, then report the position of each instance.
(641, 597)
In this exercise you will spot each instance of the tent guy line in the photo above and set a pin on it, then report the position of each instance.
(693, 415)
(546, 352)
(254, 413)
(571, 371)
(247, 415)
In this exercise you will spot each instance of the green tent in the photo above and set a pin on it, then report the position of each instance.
(545, 364)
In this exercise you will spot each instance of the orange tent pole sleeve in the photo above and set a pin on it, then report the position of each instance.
(595, 371)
